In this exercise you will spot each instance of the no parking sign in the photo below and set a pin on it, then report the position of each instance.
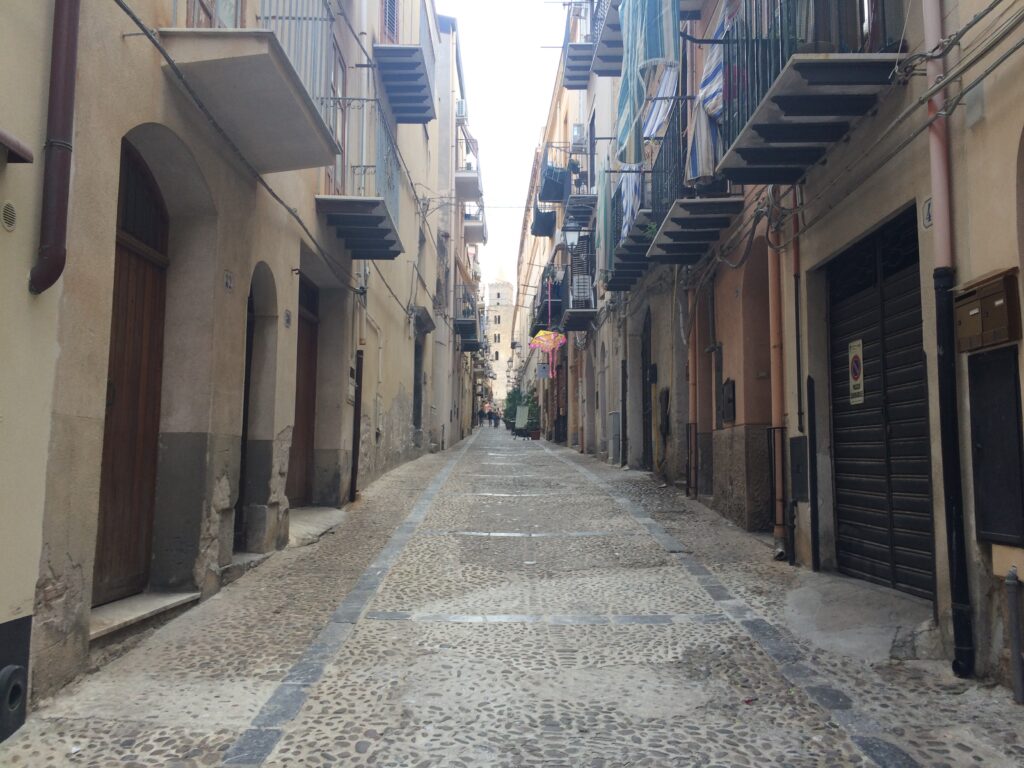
(856, 372)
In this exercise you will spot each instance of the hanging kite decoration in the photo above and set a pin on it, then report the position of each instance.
(548, 341)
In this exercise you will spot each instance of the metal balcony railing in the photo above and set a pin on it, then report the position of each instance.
(304, 29)
(624, 216)
(381, 176)
(580, 275)
(549, 301)
(466, 300)
(565, 171)
(600, 15)
(669, 167)
(766, 33)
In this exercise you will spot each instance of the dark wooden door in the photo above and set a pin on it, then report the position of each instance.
(131, 428)
(647, 394)
(996, 446)
(300, 465)
(881, 445)
(250, 337)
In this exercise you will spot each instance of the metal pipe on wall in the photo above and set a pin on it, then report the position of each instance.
(691, 365)
(778, 395)
(949, 424)
(60, 119)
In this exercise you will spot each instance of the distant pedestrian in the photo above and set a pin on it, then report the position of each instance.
(481, 414)
(497, 419)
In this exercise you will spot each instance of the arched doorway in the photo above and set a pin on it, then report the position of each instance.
(647, 393)
(257, 442)
(590, 404)
(134, 372)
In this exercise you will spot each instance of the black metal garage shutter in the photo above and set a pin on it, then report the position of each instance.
(881, 447)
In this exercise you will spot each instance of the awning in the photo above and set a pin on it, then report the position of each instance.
(705, 147)
(650, 34)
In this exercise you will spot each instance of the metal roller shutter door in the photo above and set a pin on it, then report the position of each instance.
(881, 447)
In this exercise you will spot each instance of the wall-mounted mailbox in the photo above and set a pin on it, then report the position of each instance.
(987, 311)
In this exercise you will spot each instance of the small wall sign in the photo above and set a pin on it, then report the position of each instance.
(287, 318)
(543, 371)
(926, 214)
(856, 372)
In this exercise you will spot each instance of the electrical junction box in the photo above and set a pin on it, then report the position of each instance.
(987, 311)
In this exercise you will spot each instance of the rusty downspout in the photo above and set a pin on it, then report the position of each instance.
(777, 383)
(53, 229)
(949, 425)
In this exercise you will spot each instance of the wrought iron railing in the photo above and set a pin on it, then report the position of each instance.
(669, 167)
(379, 171)
(581, 31)
(623, 217)
(565, 171)
(766, 33)
(549, 301)
(600, 17)
(580, 276)
(466, 299)
(305, 30)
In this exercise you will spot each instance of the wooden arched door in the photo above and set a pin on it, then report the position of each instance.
(134, 371)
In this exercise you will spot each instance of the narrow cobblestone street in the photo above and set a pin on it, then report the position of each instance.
(513, 604)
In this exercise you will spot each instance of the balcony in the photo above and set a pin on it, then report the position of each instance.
(608, 49)
(549, 302)
(580, 304)
(467, 319)
(406, 73)
(367, 220)
(687, 224)
(633, 228)
(474, 225)
(469, 185)
(566, 179)
(578, 51)
(797, 79)
(267, 103)
(607, 34)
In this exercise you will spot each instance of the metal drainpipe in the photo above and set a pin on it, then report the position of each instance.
(777, 382)
(949, 425)
(60, 119)
(798, 346)
(691, 343)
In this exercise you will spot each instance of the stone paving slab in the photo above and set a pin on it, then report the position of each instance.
(510, 603)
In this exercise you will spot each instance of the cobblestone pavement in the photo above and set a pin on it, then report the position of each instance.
(514, 604)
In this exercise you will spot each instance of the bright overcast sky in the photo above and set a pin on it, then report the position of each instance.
(509, 80)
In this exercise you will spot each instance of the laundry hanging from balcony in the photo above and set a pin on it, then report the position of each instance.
(650, 72)
(631, 184)
(705, 149)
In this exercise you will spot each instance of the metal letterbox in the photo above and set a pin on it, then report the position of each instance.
(987, 311)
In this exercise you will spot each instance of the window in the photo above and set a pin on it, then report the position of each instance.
(499, 295)
(206, 14)
(497, 355)
(497, 319)
(389, 21)
(497, 338)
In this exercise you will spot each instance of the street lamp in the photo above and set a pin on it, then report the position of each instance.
(572, 229)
